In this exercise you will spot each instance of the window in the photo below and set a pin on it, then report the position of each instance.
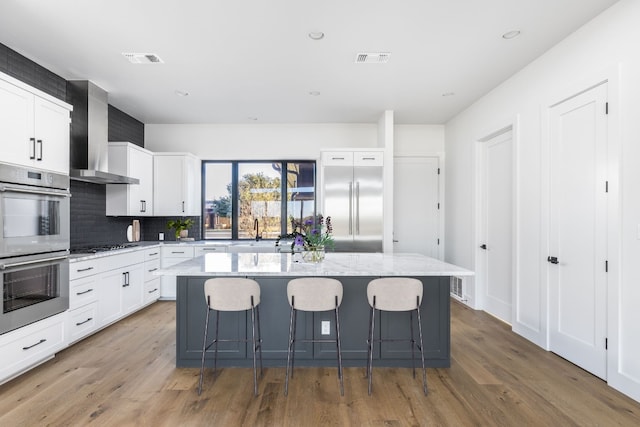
(243, 200)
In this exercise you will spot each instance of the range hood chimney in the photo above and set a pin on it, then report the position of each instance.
(89, 135)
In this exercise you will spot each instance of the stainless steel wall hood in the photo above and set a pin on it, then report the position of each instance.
(89, 135)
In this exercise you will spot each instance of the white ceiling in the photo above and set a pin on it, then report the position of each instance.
(244, 59)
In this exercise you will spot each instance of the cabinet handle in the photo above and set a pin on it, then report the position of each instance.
(153, 290)
(33, 345)
(183, 206)
(337, 158)
(33, 149)
(153, 254)
(177, 252)
(80, 270)
(209, 249)
(142, 207)
(84, 292)
(153, 269)
(39, 158)
(126, 279)
(82, 323)
(368, 158)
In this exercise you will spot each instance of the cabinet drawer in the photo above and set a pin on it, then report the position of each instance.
(149, 268)
(337, 158)
(368, 158)
(152, 290)
(152, 254)
(83, 291)
(177, 251)
(121, 260)
(82, 321)
(31, 344)
(81, 269)
(201, 250)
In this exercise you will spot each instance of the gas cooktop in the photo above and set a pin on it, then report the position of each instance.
(102, 248)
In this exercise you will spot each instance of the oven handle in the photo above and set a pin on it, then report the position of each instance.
(34, 261)
(46, 192)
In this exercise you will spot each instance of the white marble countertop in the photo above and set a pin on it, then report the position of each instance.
(292, 265)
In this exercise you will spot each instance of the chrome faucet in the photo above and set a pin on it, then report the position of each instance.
(256, 226)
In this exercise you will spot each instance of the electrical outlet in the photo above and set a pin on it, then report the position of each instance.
(325, 327)
(160, 236)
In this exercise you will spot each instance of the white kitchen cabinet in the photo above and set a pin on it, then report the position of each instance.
(172, 255)
(151, 282)
(130, 160)
(34, 127)
(122, 285)
(84, 288)
(176, 184)
(26, 347)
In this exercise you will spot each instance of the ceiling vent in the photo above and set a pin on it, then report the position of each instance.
(143, 58)
(373, 58)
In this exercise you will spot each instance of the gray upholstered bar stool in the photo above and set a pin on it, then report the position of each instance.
(395, 294)
(232, 294)
(313, 294)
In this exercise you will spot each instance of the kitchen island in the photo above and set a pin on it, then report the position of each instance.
(273, 271)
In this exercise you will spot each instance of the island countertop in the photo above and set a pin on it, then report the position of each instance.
(334, 264)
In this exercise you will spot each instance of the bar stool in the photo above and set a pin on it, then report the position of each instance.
(232, 294)
(396, 294)
(313, 294)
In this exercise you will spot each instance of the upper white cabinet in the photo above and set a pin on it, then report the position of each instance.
(176, 184)
(131, 160)
(34, 127)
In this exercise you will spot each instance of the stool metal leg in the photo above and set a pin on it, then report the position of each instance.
(204, 349)
(413, 345)
(424, 371)
(289, 348)
(340, 372)
(259, 337)
(371, 328)
(253, 343)
(215, 345)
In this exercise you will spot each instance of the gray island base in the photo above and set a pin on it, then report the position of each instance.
(273, 271)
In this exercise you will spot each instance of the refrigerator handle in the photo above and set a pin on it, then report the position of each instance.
(357, 207)
(350, 208)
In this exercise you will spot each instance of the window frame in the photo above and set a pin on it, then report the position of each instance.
(284, 214)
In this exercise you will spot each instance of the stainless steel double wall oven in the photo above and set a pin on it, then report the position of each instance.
(34, 245)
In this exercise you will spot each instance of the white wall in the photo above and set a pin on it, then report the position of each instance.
(595, 52)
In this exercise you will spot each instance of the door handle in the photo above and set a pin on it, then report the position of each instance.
(552, 259)
(483, 246)
(350, 208)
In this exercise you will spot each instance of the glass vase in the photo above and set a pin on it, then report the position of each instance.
(313, 254)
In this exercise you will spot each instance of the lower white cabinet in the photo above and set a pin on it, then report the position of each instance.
(84, 287)
(31, 345)
(121, 285)
(82, 321)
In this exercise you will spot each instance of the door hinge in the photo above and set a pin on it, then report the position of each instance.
(606, 266)
(438, 241)
(606, 343)
(438, 205)
(606, 108)
(606, 186)
(438, 171)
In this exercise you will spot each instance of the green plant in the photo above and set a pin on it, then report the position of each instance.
(179, 225)
(310, 233)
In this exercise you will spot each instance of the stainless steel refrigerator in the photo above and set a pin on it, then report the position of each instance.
(352, 197)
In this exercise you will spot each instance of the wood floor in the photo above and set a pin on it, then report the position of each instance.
(125, 375)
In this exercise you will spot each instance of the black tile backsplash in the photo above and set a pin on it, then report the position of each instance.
(123, 127)
(89, 224)
(24, 69)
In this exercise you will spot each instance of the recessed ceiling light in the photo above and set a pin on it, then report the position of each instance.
(511, 34)
(316, 35)
(448, 94)
(182, 93)
(314, 93)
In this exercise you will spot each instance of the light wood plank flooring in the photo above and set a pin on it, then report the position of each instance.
(125, 375)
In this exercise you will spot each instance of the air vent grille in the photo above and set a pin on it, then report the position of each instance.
(143, 58)
(373, 58)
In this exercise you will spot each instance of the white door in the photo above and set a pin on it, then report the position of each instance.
(416, 213)
(578, 240)
(497, 225)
